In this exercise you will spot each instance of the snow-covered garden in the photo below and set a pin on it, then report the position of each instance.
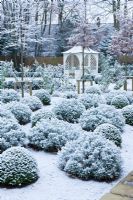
(64, 145)
(66, 128)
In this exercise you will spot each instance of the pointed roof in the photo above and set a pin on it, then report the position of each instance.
(78, 49)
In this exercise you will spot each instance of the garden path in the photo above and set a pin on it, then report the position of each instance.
(122, 191)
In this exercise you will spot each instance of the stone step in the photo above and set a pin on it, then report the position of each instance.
(110, 196)
(122, 191)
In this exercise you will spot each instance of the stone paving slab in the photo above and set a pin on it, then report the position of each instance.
(110, 196)
(122, 191)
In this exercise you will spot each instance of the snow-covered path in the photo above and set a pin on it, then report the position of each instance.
(54, 184)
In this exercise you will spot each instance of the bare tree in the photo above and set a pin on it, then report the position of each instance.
(83, 36)
(122, 42)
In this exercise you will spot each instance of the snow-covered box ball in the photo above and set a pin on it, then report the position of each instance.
(92, 118)
(94, 89)
(33, 102)
(120, 101)
(69, 110)
(128, 114)
(21, 112)
(91, 100)
(70, 95)
(91, 157)
(44, 96)
(17, 167)
(110, 132)
(11, 134)
(41, 114)
(7, 96)
(51, 135)
(115, 93)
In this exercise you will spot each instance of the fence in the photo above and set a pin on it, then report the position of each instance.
(28, 61)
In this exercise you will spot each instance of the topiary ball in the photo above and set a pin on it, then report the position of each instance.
(21, 112)
(91, 100)
(92, 118)
(41, 114)
(115, 93)
(7, 124)
(11, 134)
(33, 102)
(94, 89)
(7, 96)
(4, 112)
(127, 112)
(69, 110)
(110, 132)
(70, 95)
(17, 167)
(91, 157)
(51, 135)
(120, 101)
(44, 96)
(12, 138)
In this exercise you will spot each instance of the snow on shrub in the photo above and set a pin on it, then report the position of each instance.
(70, 95)
(110, 132)
(115, 93)
(11, 134)
(9, 84)
(92, 118)
(7, 96)
(98, 78)
(120, 101)
(69, 110)
(41, 114)
(21, 112)
(11, 139)
(51, 135)
(4, 112)
(94, 89)
(37, 84)
(17, 167)
(33, 102)
(91, 100)
(7, 124)
(44, 96)
(91, 157)
(127, 112)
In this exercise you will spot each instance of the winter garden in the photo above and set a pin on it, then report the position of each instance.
(60, 140)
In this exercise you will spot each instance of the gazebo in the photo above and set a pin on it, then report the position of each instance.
(72, 61)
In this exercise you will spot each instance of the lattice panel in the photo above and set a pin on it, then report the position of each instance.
(72, 61)
(93, 62)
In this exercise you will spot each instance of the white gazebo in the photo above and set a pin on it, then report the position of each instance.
(72, 60)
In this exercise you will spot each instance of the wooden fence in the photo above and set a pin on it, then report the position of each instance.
(28, 61)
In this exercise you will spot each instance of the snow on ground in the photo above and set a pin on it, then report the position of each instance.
(54, 184)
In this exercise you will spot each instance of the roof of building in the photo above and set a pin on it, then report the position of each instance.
(78, 49)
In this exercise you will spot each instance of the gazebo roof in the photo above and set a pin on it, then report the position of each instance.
(78, 49)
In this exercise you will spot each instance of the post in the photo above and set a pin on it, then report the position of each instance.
(132, 83)
(91, 82)
(78, 86)
(125, 84)
(15, 86)
(30, 88)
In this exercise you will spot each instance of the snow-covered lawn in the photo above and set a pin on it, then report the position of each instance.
(54, 184)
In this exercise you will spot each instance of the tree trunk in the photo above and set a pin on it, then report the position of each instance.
(50, 20)
(83, 70)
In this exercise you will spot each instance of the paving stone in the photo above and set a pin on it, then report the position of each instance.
(128, 178)
(123, 190)
(114, 197)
